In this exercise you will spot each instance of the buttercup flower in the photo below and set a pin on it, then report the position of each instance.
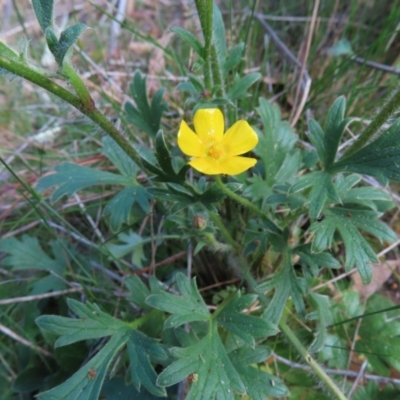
(212, 151)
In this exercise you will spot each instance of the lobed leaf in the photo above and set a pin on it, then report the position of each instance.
(140, 349)
(186, 308)
(86, 383)
(380, 158)
(91, 324)
(247, 327)
(71, 177)
(216, 376)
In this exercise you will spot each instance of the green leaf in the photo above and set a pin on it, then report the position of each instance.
(234, 58)
(367, 196)
(138, 291)
(348, 221)
(240, 86)
(316, 260)
(165, 194)
(92, 323)
(163, 155)
(379, 340)
(67, 38)
(335, 352)
(324, 317)
(190, 39)
(219, 37)
(119, 208)
(380, 158)
(208, 360)
(28, 254)
(51, 39)
(186, 308)
(71, 178)
(334, 128)
(145, 116)
(257, 382)
(342, 47)
(87, 382)
(44, 12)
(119, 158)
(289, 167)
(285, 282)
(129, 242)
(316, 135)
(275, 141)
(322, 189)
(245, 326)
(140, 349)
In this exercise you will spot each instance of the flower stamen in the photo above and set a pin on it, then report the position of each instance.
(216, 151)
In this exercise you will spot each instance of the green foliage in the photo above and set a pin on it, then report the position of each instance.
(44, 10)
(379, 158)
(145, 116)
(27, 254)
(71, 178)
(86, 383)
(348, 221)
(188, 284)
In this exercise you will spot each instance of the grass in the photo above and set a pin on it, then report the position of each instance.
(77, 223)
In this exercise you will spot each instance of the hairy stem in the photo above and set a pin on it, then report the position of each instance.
(205, 11)
(84, 105)
(322, 375)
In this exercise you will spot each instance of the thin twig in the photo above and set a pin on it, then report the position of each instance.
(352, 374)
(359, 376)
(298, 108)
(8, 332)
(35, 297)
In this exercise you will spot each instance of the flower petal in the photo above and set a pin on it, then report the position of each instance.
(189, 142)
(206, 165)
(240, 138)
(209, 124)
(236, 165)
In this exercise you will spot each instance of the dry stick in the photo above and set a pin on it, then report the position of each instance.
(375, 65)
(23, 299)
(306, 81)
(89, 218)
(8, 332)
(359, 376)
(298, 108)
(352, 374)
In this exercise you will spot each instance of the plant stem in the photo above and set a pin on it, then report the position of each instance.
(388, 109)
(252, 284)
(79, 86)
(330, 384)
(271, 226)
(205, 11)
(29, 73)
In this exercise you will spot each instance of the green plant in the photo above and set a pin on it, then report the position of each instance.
(167, 332)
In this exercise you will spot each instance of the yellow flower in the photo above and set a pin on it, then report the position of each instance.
(212, 151)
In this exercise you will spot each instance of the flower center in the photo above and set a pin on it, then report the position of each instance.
(216, 151)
